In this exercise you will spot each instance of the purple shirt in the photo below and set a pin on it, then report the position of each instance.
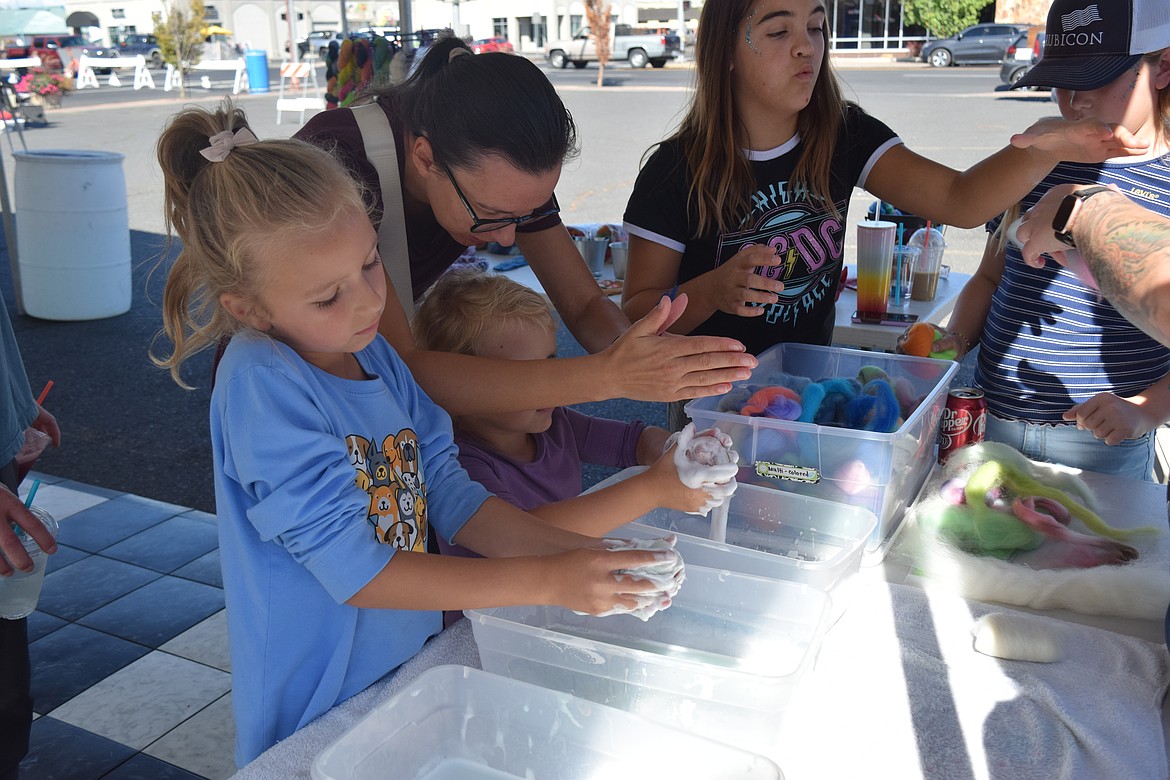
(555, 473)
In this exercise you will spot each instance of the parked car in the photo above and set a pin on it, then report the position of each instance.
(980, 44)
(491, 44)
(57, 52)
(1024, 52)
(317, 42)
(638, 48)
(146, 45)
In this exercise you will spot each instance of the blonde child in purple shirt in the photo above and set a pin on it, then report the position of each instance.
(533, 459)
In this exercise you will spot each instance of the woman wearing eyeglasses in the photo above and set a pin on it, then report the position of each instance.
(480, 141)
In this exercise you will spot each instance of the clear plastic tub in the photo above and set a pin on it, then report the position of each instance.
(880, 472)
(453, 722)
(770, 533)
(721, 662)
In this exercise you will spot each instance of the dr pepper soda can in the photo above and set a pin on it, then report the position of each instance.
(964, 419)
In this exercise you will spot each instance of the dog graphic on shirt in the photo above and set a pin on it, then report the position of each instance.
(390, 475)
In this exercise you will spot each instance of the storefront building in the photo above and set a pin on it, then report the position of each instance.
(262, 24)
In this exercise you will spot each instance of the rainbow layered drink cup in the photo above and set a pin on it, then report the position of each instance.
(875, 260)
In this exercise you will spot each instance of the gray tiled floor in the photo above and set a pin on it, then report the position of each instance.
(131, 677)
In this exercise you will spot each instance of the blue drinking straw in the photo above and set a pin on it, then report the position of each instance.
(32, 492)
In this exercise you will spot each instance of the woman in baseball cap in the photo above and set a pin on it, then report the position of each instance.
(1090, 44)
(1066, 376)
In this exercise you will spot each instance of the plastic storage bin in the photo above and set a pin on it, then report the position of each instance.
(458, 723)
(770, 533)
(881, 472)
(722, 661)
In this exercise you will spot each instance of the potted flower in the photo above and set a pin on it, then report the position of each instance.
(44, 87)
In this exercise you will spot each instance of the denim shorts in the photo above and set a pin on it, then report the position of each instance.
(1080, 449)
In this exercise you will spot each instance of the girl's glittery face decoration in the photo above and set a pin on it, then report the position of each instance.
(747, 31)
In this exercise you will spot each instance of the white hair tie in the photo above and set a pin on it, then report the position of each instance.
(222, 143)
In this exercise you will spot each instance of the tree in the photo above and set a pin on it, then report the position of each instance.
(598, 17)
(179, 29)
(942, 17)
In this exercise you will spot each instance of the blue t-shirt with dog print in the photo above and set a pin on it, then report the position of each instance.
(319, 480)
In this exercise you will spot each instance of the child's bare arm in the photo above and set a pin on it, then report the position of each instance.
(583, 579)
(965, 326)
(651, 443)
(600, 512)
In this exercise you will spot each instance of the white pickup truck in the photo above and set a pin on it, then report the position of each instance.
(639, 50)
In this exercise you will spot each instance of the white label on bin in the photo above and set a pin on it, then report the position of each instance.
(785, 471)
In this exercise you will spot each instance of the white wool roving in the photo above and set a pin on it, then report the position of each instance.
(1018, 637)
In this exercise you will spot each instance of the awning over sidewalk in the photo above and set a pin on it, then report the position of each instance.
(31, 21)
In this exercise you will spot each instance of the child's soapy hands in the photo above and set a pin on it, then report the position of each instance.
(671, 493)
(659, 578)
(705, 461)
(705, 457)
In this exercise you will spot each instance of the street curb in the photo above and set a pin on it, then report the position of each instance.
(840, 61)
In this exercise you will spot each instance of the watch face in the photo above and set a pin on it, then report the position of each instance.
(1060, 221)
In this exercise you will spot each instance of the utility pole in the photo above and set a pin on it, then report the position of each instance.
(405, 24)
(294, 51)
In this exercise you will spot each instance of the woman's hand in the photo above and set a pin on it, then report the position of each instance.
(1034, 232)
(650, 364)
(1111, 418)
(735, 284)
(1081, 140)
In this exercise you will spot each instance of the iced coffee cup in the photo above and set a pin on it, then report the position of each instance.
(875, 261)
(926, 270)
(20, 592)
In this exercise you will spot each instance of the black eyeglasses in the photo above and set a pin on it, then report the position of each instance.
(488, 225)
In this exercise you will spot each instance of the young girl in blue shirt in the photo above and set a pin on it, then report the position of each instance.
(332, 466)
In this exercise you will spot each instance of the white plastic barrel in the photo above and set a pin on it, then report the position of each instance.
(73, 234)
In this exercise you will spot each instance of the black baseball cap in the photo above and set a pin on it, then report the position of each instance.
(1088, 44)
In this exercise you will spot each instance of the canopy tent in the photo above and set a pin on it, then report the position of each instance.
(31, 21)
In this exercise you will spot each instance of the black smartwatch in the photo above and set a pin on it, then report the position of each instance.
(1061, 223)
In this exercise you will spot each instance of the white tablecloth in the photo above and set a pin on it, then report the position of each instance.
(898, 692)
